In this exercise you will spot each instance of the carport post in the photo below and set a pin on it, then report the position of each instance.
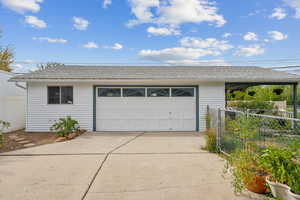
(295, 86)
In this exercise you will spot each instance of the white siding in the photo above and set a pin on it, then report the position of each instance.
(212, 94)
(12, 102)
(41, 116)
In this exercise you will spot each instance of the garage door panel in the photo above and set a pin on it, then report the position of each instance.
(145, 113)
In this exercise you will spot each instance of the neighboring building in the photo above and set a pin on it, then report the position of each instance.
(137, 98)
(12, 102)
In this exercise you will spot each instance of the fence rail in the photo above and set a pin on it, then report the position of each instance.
(234, 129)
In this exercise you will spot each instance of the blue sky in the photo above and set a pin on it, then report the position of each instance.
(198, 32)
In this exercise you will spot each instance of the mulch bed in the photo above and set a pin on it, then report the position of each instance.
(33, 139)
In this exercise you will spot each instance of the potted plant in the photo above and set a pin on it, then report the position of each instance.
(294, 175)
(246, 173)
(284, 171)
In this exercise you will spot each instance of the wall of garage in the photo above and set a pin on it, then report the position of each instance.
(40, 116)
(212, 94)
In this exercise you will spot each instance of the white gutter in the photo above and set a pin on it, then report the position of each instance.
(20, 86)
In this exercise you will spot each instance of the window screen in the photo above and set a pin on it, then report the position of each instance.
(109, 92)
(158, 92)
(60, 95)
(53, 95)
(182, 92)
(133, 92)
(66, 95)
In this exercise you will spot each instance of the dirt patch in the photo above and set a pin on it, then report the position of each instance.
(20, 139)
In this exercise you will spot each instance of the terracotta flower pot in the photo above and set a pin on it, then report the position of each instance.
(258, 185)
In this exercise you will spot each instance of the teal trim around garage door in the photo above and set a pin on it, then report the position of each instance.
(95, 96)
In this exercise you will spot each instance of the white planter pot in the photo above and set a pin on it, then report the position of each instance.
(293, 196)
(279, 190)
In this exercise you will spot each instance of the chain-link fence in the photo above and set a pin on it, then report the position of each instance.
(234, 129)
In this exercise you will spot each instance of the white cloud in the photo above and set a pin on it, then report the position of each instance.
(278, 13)
(117, 46)
(175, 12)
(176, 54)
(295, 4)
(162, 31)
(250, 36)
(141, 10)
(251, 50)
(80, 23)
(91, 45)
(35, 22)
(208, 43)
(276, 35)
(50, 40)
(23, 68)
(190, 51)
(213, 62)
(226, 35)
(22, 6)
(106, 3)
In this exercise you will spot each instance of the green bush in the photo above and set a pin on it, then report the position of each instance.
(3, 125)
(252, 104)
(243, 167)
(211, 141)
(65, 126)
(281, 164)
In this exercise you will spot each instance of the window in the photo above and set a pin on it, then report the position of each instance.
(109, 92)
(133, 92)
(158, 92)
(60, 94)
(53, 95)
(182, 92)
(66, 95)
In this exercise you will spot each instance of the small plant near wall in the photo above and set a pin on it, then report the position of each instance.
(65, 126)
(3, 125)
(211, 141)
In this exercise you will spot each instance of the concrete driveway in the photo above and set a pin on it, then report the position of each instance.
(116, 166)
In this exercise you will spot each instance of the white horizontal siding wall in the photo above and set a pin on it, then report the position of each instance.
(212, 94)
(12, 102)
(41, 116)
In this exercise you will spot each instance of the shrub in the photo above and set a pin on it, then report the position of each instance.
(255, 104)
(281, 164)
(211, 141)
(3, 125)
(243, 166)
(65, 126)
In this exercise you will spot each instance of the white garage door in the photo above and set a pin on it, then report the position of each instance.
(146, 109)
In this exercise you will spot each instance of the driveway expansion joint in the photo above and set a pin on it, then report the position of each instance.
(103, 162)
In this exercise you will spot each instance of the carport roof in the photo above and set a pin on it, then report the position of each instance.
(195, 73)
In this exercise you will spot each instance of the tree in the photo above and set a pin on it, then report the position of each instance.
(6, 58)
(49, 65)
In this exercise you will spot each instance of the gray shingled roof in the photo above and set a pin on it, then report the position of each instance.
(197, 73)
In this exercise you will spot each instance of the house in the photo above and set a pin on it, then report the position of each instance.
(135, 98)
(12, 102)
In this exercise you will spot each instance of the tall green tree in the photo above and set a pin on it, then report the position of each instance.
(6, 57)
